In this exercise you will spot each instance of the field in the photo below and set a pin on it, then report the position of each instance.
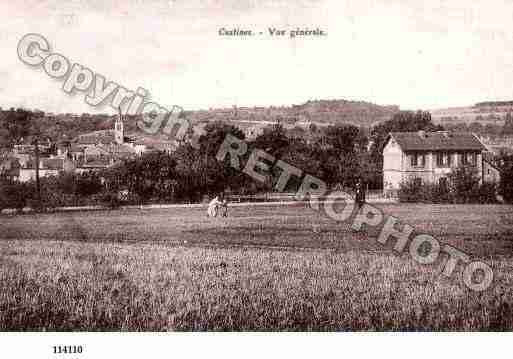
(263, 268)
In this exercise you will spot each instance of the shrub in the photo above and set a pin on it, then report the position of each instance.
(463, 187)
(506, 185)
(15, 194)
(436, 193)
(414, 191)
(108, 198)
(464, 183)
(486, 193)
(410, 191)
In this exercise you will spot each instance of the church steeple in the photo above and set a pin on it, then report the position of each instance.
(118, 129)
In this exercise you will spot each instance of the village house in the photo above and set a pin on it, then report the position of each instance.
(428, 157)
(47, 167)
(87, 152)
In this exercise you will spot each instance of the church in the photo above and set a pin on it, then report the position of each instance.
(90, 151)
(87, 152)
(100, 149)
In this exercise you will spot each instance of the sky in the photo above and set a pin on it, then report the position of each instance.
(418, 55)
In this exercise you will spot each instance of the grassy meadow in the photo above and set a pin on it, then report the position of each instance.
(262, 268)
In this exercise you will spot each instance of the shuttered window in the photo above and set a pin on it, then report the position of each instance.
(443, 159)
(418, 160)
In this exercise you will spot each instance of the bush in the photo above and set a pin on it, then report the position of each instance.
(464, 183)
(410, 191)
(66, 190)
(56, 191)
(52, 194)
(506, 185)
(486, 193)
(109, 199)
(15, 194)
(414, 191)
(436, 193)
(463, 187)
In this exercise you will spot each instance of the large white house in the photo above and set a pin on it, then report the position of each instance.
(431, 156)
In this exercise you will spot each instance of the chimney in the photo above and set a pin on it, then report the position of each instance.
(446, 134)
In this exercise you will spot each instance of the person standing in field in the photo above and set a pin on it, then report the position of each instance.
(218, 206)
(213, 207)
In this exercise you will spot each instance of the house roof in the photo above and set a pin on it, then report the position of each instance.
(96, 163)
(116, 149)
(98, 137)
(77, 148)
(96, 150)
(46, 163)
(162, 146)
(10, 166)
(492, 159)
(437, 141)
(53, 163)
(21, 157)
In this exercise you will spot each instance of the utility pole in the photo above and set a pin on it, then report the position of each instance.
(38, 184)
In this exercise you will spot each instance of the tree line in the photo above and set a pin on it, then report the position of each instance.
(340, 155)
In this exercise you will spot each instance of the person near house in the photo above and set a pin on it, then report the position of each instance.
(224, 208)
(388, 190)
(359, 195)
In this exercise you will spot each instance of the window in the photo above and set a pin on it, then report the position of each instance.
(443, 159)
(418, 160)
(464, 158)
(439, 159)
(468, 159)
(443, 182)
(472, 159)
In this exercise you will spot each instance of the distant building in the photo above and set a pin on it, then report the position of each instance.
(10, 167)
(47, 167)
(430, 156)
(91, 151)
(491, 170)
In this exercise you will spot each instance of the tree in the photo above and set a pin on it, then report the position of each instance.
(16, 124)
(149, 177)
(507, 129)
(214, 135)
(491, 129)
(506, 183)
(476, 127)
(272, 140)
(302, 156)
(342, 138)
(403, 121)
(215, 176)
(14, 194)
(457, 127)
(464, 183)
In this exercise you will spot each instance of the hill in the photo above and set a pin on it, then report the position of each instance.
(490, 112)
(320, 112)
